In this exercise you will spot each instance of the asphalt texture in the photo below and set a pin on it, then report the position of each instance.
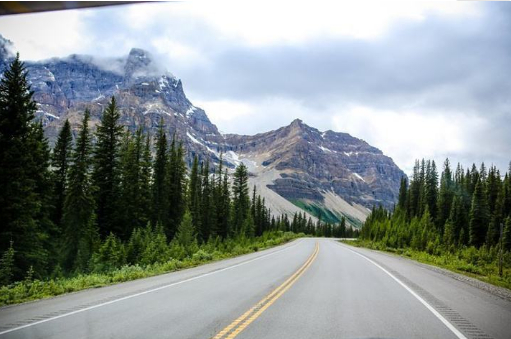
(286, 292)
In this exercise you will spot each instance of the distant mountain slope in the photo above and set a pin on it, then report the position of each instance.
(295, 168)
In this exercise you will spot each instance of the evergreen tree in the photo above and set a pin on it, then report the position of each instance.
(445, 194)
(160, 185)
(414, 192)
(493, 185)
(224, 206)
(145, 182)
(7, 266)
(106, 174)
(241, 200)
(133, 184)
(506, 196)
(402, 194)
(60, 163)
(431, 189)
(194, 194)
(248, 227)
(22, 154)
(479, 215)
(80, 233)
(41, 174)
(177, 187)
(205, 208)
(459, 221)
(185, 233)
(506, 241)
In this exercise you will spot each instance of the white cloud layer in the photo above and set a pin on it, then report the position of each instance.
(413, 78)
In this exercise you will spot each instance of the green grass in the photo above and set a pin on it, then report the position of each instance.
(38, 289)
(479, 264)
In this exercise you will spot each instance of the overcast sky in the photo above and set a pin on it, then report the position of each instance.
(414, 79)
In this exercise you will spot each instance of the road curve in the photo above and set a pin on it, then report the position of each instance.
(310, 288)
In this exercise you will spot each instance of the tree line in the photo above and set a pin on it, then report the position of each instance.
(455, 210)
(114, 197)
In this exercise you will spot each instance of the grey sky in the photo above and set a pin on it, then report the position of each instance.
(415, 80)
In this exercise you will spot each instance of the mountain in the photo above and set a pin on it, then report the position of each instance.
(295, 168)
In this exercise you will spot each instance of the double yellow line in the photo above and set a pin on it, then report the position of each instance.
(253, 313)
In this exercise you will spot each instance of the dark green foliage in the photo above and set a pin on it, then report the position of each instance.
(185, 236)
(195, 193)
(479, 215)
(135, 185)
(506, 241)
(403, 190)
(241, 200)
(80, 233)
(24, 175)
(160, 188)
(111, 255)
(467, 213)
(205, 204)
(7, 266)
(60, 161)
(445, 195)
(176, 187)
(223, 204)
(106, 174)
(431, 189)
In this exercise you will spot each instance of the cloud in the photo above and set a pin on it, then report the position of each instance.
(427, 79)
(44, 35)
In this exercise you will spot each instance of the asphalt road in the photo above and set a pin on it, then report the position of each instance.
(310, 288)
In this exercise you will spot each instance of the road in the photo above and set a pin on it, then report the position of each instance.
(309, 288)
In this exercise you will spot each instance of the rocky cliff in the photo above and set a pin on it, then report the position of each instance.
(297, 167)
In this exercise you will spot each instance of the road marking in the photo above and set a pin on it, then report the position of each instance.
(238, 325)
(148, 291)
(450, 326)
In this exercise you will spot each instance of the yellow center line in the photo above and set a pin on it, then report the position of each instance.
(254, 312)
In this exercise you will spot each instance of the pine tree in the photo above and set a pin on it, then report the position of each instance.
(248, 227)
(194, 193)
(60, 164)
(41, 174)
(445, 195)
(7, 266)
(177, 187)
(185, 235)
(403, 188)
(224, 207)
(160, 185)
(431, 189)
(458, 219)
(414, 192)
(506, 241)
(479, 215)
(80, 233)
(205, 208)
(132, 185)
(146, 164)
(22, 154)
(106, 174)
(241, 200)
(506, 203)
(493, 185)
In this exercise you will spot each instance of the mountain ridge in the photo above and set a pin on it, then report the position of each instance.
(296, 167)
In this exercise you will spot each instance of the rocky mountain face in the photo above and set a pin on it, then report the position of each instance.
(296, 168)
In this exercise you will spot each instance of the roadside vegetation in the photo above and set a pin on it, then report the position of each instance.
(116, 205)
(110, 264)
(453, 222)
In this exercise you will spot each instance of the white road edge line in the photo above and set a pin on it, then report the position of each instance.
(148, 291)
(424, 302)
